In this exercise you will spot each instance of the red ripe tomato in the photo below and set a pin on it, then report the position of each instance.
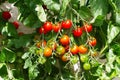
(6, 15)
(47, 52)
(92, 41)
(77, 32)
(57, 27)
(66, 24)
(47, 26)
(74, 49)
(64, 40)
(83, 49)
(16, 24)
(41, 30)
(88, 28)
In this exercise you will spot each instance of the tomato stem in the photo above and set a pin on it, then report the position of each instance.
(106, 46)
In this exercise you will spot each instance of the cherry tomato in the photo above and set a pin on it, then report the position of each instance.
(83, 49)
(84, 58)
(77, 32)
(47, 26)
(86, 66)
(56, 27)
(52, 44)
(16, 24)
(88, 28)
(41, 30)
(67, 24)
(92, 41)
(64, 40)
(60, 50)
(41, 43)
(6, 15)
(65, 57)
(47, 52)
(74, 49)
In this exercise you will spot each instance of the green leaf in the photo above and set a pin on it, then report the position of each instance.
(23, 40)
(2, 57)
(40, 13)
(116, 49)
(99, 20)
(98, 7)
(52, 5)
(33, 72)
(85, 13)
(9, 55)
(25, 55)
(9, 30)
(3, 70)
(112, 32)
(28, 63)
(48, 67)
(31, 20)
(64, 7)
(117, 17)
(111, 56)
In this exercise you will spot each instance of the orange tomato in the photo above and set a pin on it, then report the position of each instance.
(47, 52)
(64, 40)
(74, 49)
(83, 49)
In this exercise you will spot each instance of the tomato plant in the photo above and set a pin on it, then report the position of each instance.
(82, 39)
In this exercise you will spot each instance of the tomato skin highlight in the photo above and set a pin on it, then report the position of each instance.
(47, 26)
(64, 40)
(47, 52)
(41, 30)
(77, 32)
(6, 15)
(66, 24)
(16, 24)
(83, 49)
(74, 49)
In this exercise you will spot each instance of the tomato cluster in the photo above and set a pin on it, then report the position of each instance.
(62, 46)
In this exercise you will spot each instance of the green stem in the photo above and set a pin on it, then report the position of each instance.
(106, 46)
